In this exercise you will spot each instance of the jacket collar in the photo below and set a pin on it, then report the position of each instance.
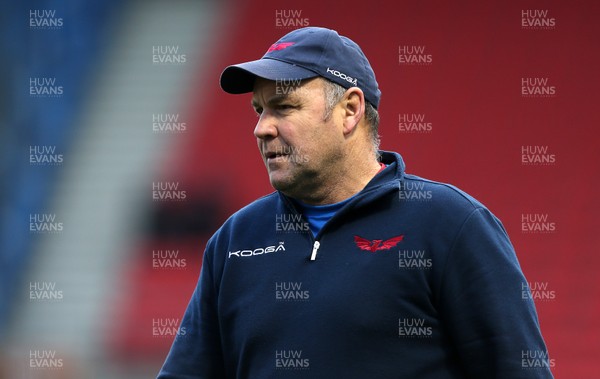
(394, 170)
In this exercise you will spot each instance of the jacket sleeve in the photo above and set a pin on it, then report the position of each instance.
(484, 307)
(196, 351)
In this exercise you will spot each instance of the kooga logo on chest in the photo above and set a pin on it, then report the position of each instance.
(258, 251)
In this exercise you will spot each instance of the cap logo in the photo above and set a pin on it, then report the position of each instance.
(341, 75)
(280, 46)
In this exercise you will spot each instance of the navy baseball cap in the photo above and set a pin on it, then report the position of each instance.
(307, 53)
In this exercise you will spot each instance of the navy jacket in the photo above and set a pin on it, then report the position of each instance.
(411, 279)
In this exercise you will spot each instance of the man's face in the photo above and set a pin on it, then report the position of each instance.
(299, 147)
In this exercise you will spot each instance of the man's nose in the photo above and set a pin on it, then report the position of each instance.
(266, 127)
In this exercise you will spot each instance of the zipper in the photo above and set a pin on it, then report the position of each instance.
(316, 243)
(313, 255)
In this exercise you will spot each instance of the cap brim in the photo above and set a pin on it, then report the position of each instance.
(240, 78)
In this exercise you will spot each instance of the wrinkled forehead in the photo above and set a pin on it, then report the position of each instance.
(265, 90)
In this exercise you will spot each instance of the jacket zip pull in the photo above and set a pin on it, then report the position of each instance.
(316, 245)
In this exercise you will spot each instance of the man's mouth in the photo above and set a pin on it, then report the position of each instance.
(274, 155)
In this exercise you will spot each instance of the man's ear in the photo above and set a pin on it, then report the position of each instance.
(353, 104)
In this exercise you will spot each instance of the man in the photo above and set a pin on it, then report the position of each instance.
(352, 268)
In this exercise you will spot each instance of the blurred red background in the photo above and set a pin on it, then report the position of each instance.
(480, 125)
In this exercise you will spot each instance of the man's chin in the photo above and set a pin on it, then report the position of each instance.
(280, 181)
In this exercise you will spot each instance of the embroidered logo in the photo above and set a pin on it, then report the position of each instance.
(343, 76)
(374, 245)
(259, 251)
(279, 46)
